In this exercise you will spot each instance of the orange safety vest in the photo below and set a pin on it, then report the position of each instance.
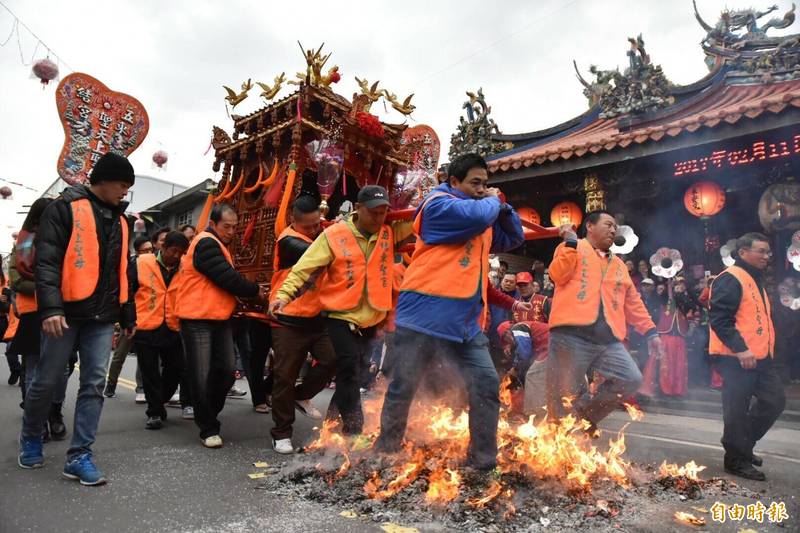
(81, 268)
(198, 298)
(26, 304)
(306, 302)
(153, 305)
(453, 271)
(753, 319)
(13, 323)
(352, 274)
(577, 302)
(399, 270)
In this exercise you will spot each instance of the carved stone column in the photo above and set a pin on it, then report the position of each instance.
(595, 195)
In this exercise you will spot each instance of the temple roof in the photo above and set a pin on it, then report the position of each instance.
(715, 105)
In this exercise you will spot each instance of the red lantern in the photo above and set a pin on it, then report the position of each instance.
(566, 213)
(45, 70)
(528, 214)
(704, 199)
(160, 158)
(5, 192)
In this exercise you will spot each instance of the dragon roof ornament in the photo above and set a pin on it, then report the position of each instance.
(739, 42)
(474, 135)
(639, 88)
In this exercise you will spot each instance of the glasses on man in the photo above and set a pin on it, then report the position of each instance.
(762, 251)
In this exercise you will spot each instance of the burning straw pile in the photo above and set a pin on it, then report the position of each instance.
(549, 474)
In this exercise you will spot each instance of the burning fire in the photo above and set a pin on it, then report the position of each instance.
(438, 438)
(689, 470)
(443, 486)
(689, 519)
(634, 412)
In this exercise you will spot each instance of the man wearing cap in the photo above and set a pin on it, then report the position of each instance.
(82, 290)
(442, 307)
(351, 262)
(540, 305)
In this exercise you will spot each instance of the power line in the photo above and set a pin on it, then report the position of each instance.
(15, 29)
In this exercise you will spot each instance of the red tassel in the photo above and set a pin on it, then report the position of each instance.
(210, 143)
(248, 232)
(299, 112)
(344, 182)
(273, 195)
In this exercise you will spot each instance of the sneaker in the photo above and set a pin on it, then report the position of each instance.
(154, 422)
(110, 390)
(139, 398)
(214, 441)
(55, 422)
(82, 468)
(308, 409)
(30, 452)
(283, 446)
(188, 413)
(236, 392)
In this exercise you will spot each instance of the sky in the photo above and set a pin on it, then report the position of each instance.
(174, 56)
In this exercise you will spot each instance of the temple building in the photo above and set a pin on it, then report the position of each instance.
(687, 167)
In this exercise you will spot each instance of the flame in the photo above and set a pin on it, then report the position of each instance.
(505, 391)
(634, 412)
(438, 436)
(443, 486)
(689, 519)
(689, 470)
(492, 492)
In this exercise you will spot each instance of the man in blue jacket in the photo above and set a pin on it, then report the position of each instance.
(442, 306)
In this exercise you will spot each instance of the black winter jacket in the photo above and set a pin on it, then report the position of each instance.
(52, 238)
(209, 261)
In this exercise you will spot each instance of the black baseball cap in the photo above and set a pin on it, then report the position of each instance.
(371, 196)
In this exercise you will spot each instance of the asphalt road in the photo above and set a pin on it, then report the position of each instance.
(166, 481)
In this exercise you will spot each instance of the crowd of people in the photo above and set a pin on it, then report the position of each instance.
(345, 308)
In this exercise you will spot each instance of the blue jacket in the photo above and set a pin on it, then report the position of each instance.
(448, 220)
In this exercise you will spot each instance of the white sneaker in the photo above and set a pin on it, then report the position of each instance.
(139, 398)
(236, 393)
(188, 413)
(214, 441)
(283, 446)
(308, 409)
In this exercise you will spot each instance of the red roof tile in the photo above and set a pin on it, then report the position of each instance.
(728, 103)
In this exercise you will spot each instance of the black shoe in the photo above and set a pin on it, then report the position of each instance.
(13, 377)
(757, 460)
(746, 471)
(110, 391)
(58, 431)
(154, 422)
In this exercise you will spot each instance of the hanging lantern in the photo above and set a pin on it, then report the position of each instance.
(793, 255)
(160, 158)
(5, 192)
(566, 213)
(45, 70)
(15, 235)
(704, 199)
(625, 241)
(666, 262)
(528, 214)
(139, 226)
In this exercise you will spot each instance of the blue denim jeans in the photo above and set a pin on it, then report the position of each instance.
(571, 358)
(413, 351)
(93, 341)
